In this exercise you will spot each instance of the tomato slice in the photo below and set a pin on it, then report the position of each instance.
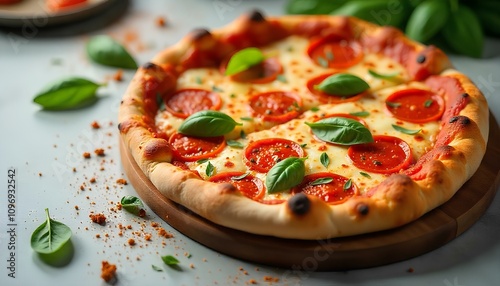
(334, 51)
(263, 154)
(329, 98)
(249, 185)
(276, 106)
(63, 4)
(386, 155)
(185, 102)
(333, 192)
(415, 105)
(190, 148)
(265, 72)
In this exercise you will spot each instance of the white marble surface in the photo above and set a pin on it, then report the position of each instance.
(43, 147)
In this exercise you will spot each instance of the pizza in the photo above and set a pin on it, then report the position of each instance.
(304, 127)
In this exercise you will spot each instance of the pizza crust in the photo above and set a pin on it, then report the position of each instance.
(399, 199)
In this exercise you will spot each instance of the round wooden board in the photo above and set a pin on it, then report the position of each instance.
(431, 231)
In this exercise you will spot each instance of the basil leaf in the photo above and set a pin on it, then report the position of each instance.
(391, 77)
(315, 7)
(393, 104)
(324, 159)
(428, 103)
(360, 113)
(343, 85)
(340, 130)
(321, 181)
(202, 161)
(348, 185)
(373, 10)
(427, 20)
(208, 123)
(133, 205)
(285, 175)
(70, 93)
(52, 241)
(106, 51)
(234, 144)
(156, 268)
(243, 60)
(170, 260)
(404, 130)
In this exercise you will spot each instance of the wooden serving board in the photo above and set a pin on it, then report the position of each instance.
(431, 231)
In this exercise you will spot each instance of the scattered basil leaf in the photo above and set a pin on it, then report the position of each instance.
(234, 144)
(303, 145)
(156, 268)
(243, 135)
(343, 85)
(348, 185)
(198, 80)
(341, 130)
(52, 241)
(285, 174)
(321, 181)
(170, 260)
(391, 77)
(393, 104)
(160, 102)
(202, 161)
(208, 123)
(315, 109)
(133, 205)
(210, 170)
(243, 60)
(217, 89)
(240, 177)
(281, 78)
(329, 56)
(360, 113)
(324, 159)
(323, 62)
(70, 93)
(404, 130)
(246, 118)
(428, 103)
(366, 175)
(105, 50)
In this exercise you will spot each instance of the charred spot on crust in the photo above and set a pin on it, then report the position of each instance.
(120, 126)
(149, 65)
(362, 209)
(463, 120)
(465, 95)
(256, 16)
(200, 33)
(421, 59)
(299, 204)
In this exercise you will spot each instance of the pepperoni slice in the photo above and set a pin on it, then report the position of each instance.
(276, 106)
(185, 102)
(265, 72)
(386, 155)
(333, 192)
(329, 98)
(335, 52)
(249, 185)
(190, 148)
(415, 105)
(263, 154)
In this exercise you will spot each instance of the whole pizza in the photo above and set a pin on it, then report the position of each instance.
(304, 127)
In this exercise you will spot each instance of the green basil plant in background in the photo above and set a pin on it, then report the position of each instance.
(457, 26)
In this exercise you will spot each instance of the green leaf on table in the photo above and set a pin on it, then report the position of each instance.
(133, 205)
(170, 260)
(69, 93)
(106, 51)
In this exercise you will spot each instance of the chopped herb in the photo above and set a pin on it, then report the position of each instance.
(232, 95)
(240, 177)
(390, 77)
(210, 170)
(428, 103)
(329, 55)
(366, 175)
(393, 104)
(246, 118)
(315, 109)
(303, 145)
(216, 89)
(281, 78)
(404, 130)
(234, 144)
(348, 185)
(324, 159)
(198, 80)
(321, 181)
(170, 260)
(360, 113)
(243, 135)
(156, 268)
(322, 62)
(202, 161)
